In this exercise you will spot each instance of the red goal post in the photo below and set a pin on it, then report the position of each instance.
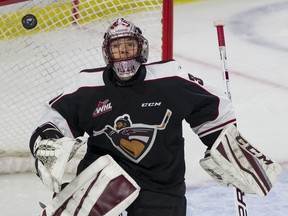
(44, 43)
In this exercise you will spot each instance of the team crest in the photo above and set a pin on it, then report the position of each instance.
(133, 140)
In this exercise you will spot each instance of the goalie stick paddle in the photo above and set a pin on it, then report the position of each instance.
(240, 205)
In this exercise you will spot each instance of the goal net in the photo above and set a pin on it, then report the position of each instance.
(44, 43)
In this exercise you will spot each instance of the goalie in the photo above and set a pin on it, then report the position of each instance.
(133, 114)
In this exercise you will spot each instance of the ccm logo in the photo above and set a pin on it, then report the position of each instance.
(252, 150)
(151, 104)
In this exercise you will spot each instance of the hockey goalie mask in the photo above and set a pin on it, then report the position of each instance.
(124, 48)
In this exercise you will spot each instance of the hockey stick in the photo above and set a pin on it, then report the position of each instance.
(165, 120)
(240, 205)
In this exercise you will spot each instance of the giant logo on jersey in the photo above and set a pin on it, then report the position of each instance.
(134, 140)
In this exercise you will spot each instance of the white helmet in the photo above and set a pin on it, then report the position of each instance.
(125, 67)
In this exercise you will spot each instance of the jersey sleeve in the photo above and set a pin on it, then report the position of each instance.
(212, 110)
(59, 117)
(65, 111)
(205, 107)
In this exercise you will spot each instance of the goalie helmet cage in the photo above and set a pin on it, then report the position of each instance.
(44, 43)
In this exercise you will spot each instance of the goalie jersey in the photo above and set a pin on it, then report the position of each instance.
(139, 123)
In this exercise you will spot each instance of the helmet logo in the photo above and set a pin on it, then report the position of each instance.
(121, 21)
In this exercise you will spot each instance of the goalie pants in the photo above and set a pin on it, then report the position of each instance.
(150, 203)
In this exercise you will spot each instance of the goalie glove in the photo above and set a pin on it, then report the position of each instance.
(232, 160)
(52, 156)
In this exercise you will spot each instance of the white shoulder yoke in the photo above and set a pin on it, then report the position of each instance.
(159, 70)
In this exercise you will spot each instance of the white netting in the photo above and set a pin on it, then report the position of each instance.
(35, 64)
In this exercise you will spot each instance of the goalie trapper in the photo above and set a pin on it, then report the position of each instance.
(232, 160)
(52, 156)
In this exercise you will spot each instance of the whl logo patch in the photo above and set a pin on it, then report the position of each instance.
(102, 107)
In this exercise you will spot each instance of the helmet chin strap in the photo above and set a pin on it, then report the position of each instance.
(125, 70)
(122, 82)
(125, 78)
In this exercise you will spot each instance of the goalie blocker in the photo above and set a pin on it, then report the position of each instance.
(103, 188)
(232, 160)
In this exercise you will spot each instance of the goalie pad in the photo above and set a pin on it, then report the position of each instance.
(103, 188)
(52, 156)
(232, 160)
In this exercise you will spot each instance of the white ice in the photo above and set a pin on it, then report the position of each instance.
(257, 49)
